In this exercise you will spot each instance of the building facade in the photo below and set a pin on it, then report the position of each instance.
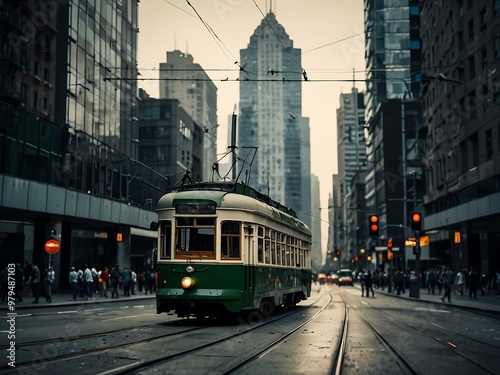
(351, 157)
(69, 141)
(461, 107)
(392, 121)
(270, 115)
(171, 142)
(182, 79)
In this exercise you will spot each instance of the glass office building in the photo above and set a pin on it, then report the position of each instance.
(69, 136)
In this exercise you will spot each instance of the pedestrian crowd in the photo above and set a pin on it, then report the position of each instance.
(86, 282)
(437, 280)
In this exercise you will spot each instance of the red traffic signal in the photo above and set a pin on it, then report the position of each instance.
(416, 221)
(373, 225)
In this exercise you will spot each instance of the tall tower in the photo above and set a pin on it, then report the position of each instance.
(351, 151)
(197, 95)
(271, 113)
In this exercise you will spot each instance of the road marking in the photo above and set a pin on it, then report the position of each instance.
(67, 312)
(437, 325)
(431, 310)
(126, 317)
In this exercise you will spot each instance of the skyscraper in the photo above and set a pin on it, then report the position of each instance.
(392, 117)
(270, 114)
(351, 150)
(181, 78)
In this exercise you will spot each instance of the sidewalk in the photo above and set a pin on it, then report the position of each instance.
(62, 298)
(490, 302)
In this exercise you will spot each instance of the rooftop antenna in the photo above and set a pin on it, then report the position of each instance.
(175, 41)
(353, 78)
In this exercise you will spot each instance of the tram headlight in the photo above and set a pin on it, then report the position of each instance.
(188, 283)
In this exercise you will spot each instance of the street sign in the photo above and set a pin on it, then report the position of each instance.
(424, 241)
(410, 242)
(457, 237)
(52, 246)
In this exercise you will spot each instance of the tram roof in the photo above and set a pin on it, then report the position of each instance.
(216, 192)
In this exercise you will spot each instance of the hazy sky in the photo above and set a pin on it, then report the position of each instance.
(329, 33)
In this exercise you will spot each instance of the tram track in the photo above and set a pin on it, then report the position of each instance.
(69, 346)
(458, 344)
(114, 343)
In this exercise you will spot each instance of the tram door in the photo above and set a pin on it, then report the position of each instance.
(249, 265)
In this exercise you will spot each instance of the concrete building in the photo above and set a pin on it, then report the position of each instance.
(171, 142)
(392, 120)
(270, 116)
(182, 79)
(351, 156)
(317, 251)
(69, 141)
(461, 108)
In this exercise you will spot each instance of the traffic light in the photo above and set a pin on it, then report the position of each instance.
(389, 243)
(337, 253)
(416, 221)
(373, 225)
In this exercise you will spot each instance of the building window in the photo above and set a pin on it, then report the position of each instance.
(483, 19)
(471, 30)
(484, 58)
(496, 90)
(463, 154)
(489, 144)
(460, 40)
(496, 45)
(475, 149)
(472, 67)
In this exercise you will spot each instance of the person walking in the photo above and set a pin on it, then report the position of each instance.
(431, 281)
(49, 280)
(88, 279)
(73, 282)
(369, 284)
(19, 280)
(35, 282)
(399, 279)
(473, 281)
(484, 284)
(104, 282)
(361, 278)
(81, 283)
(127, 279)
(115, 277)
(460, 282)
(133, 282)
(448, 279)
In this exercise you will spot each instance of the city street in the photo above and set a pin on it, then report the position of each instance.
(387, 333)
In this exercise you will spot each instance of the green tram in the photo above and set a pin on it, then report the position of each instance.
(225, 249)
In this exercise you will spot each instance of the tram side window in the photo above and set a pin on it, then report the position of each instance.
(166, 240)
(230, 240)
(260, 245)
(195, 236)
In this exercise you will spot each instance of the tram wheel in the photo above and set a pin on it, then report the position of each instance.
(266, 307)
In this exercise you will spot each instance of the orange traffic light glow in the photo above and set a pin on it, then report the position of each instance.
(415, 217)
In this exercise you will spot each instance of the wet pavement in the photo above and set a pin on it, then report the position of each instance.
(489, 302)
